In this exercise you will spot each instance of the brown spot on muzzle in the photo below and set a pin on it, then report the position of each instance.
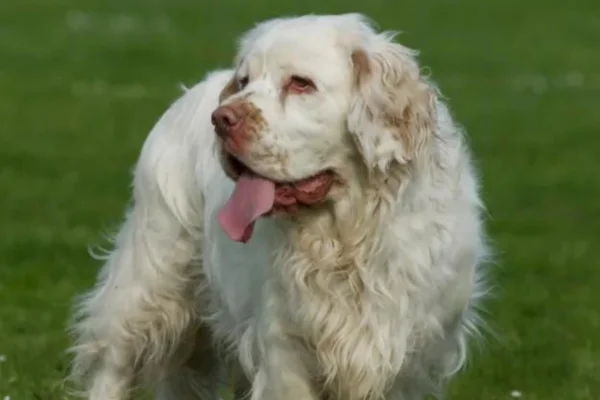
(253, 119)
(229, 90)
(251, 122)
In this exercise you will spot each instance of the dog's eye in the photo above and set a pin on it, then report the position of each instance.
(243, 82)
(299, 84)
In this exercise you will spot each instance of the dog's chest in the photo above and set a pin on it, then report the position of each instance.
(349, 328)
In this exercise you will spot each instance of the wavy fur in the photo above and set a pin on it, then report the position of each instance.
(370, 296)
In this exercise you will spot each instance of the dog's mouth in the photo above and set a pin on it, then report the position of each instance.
(255, 196)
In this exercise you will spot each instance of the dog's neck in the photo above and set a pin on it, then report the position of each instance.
(350, 230)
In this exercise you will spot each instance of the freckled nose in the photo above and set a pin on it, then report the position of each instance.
(225, 120)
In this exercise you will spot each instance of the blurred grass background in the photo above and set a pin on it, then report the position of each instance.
(82, 82)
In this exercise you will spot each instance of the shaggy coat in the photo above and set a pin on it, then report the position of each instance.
(359, 278)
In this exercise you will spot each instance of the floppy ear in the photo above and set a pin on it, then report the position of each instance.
(392, 114)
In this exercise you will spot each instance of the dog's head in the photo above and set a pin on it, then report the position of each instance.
(315, 99)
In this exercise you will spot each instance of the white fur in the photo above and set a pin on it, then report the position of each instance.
(369, 296)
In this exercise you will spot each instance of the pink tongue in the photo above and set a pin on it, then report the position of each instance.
(252, 197)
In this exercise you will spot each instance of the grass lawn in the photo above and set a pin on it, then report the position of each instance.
(81, 84)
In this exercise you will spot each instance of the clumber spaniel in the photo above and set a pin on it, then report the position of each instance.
(307, 225)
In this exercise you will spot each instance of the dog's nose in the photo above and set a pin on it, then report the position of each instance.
(225, 120)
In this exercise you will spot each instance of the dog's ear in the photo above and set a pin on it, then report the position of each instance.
(392, 114)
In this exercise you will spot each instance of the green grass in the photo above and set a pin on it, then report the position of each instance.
(81, 83)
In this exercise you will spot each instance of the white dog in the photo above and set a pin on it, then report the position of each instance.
(309, 220)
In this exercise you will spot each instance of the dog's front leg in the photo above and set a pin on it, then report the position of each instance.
(283, 373)
(132, 323)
